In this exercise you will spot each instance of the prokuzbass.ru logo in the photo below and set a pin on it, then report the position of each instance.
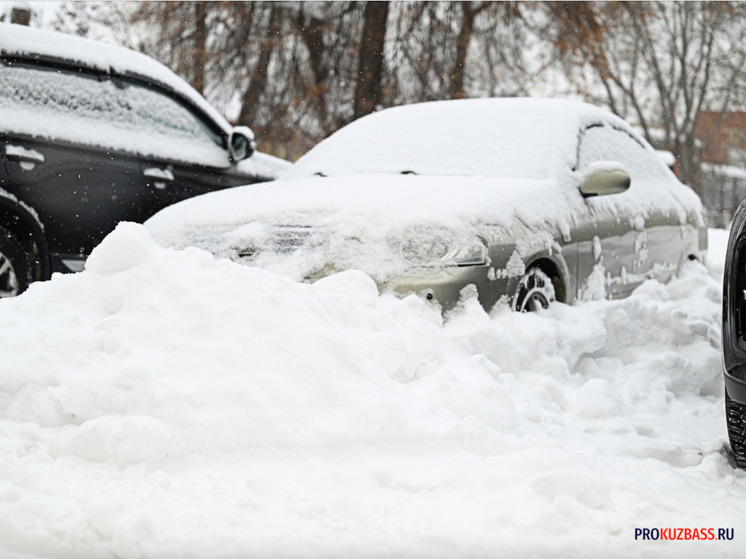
(685, 534)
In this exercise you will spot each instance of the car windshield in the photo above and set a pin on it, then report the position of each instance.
(485, 137)
(94, 110)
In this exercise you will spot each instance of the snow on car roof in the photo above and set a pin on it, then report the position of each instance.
(506, 137)
(25, 41)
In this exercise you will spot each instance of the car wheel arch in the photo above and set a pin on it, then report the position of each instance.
(557, 273)
(26, 227)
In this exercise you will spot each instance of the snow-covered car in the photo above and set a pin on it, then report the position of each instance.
(520, 200)
(93, 134)
(734, 336)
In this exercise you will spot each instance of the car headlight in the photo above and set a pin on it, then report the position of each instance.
(424, 247)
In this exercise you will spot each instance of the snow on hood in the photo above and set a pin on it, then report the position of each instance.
(400, 200)
(165, 404)
(367, 217)
(359, 222)
(26, 41)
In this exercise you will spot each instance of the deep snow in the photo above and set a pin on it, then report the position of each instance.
(166, 404)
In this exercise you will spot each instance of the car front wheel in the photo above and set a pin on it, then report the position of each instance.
(535, 291)
(14, 270)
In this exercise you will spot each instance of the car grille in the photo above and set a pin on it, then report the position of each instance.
(282, 240)
(285, 240)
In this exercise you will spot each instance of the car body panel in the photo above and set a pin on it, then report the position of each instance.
(82, 193)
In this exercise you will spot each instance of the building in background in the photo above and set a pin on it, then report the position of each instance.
(723, 185)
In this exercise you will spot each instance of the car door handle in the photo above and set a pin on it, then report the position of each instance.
(28, 158)
(162, 176)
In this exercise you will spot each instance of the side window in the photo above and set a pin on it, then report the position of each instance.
(107, 113)
(605, 143)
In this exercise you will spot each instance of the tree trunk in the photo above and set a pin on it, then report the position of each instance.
(370, 66)
(258, 80)
(20, 15)
(200, 45)
(456, 85)
(312, 33)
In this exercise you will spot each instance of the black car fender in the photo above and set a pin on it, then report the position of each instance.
(24, 224)
(734, 309)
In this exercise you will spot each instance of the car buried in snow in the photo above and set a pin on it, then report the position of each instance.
(92, 134)
(518, 201)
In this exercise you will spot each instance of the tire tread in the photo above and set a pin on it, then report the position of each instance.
(735, 416)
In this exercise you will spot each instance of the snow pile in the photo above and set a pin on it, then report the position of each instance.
(166, 404)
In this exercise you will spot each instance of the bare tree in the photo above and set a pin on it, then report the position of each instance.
(259, 74)
(469, 12)
(452, 50)
(108, 21)
(660, 64)
(370, 66)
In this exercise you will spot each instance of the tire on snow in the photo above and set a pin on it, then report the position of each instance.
(15, 274)
(535, 290)
(735, 417)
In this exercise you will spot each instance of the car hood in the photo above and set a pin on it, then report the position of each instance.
(397, 198)
(362, 221)
(356, 221)
(369, 201)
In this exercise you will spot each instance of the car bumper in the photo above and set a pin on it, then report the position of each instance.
(447, 285)
(68, 263)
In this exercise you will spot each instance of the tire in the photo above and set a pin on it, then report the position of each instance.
(535, 290)
(733, 337)
(14, 269)
(735, 417)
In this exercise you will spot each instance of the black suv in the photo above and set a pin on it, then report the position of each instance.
(734, 336)
(93, 134)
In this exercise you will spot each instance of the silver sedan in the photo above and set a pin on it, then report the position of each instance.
(518, 202)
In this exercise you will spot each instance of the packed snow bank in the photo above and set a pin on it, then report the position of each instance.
(165, 404)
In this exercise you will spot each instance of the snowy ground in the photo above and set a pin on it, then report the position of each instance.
(163, 404)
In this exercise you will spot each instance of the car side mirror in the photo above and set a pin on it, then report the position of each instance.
(603, 178)
(241, 143)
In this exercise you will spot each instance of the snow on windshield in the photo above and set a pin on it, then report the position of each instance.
(18, 39)
(81, 108)
(515, 137)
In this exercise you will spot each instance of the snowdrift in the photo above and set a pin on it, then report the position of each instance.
(166, 404)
